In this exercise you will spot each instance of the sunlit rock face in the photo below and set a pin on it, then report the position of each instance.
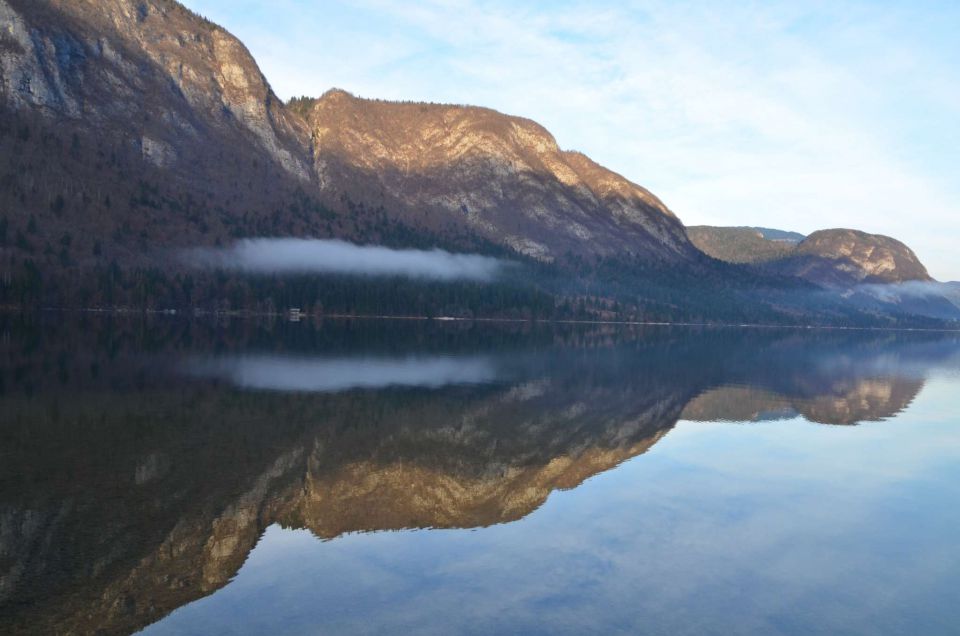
(500, 176)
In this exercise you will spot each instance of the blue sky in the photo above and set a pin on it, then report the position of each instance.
(796, 115)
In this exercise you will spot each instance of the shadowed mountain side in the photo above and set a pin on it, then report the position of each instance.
(131, 119)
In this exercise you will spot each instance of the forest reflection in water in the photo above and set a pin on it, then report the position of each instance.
(144, 460)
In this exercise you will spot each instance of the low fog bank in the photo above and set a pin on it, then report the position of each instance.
(932, 299)
(328, 256)
(331, 375)
(893, 292)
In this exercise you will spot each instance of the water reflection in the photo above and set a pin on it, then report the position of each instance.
(129, 489)
(868, 399)
(284, 373)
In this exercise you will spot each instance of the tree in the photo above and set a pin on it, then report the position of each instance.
(57, 205)
(22, 242)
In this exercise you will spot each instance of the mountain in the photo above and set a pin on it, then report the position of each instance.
(835, 258)
(850, 256)
(501, 177)
(130, 125)
(130, 129)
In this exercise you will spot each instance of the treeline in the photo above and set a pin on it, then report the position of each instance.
(112, 287)
(631, 294)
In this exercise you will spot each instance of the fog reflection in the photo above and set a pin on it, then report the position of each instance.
(330, 375)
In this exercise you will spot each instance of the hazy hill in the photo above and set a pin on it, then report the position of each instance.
(738, 244)
(838, 257)
(844, 256)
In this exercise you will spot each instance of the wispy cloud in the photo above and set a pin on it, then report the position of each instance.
(288, 255)
(794, 115)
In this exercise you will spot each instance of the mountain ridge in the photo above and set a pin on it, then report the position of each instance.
(132, 128)
(504, 177)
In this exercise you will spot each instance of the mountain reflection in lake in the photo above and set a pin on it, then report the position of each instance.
(180, 476)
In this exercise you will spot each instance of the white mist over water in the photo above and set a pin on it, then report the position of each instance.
(329, 256)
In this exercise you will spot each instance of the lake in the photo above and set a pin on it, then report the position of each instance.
(350, 477)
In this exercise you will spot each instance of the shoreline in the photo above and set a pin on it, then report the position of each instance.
(286, 317)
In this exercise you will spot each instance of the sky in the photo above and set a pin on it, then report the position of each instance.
(794, 115)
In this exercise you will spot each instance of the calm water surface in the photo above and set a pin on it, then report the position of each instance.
(183, 477)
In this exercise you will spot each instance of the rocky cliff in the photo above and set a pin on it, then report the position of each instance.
(129, 127)
(151, 69)
(502, 177)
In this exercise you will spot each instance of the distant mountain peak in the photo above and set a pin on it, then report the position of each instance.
(835, 257)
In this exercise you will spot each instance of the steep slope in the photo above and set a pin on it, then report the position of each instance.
(167, 78)
(129, 126)
(501, 177)
(836, 258)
